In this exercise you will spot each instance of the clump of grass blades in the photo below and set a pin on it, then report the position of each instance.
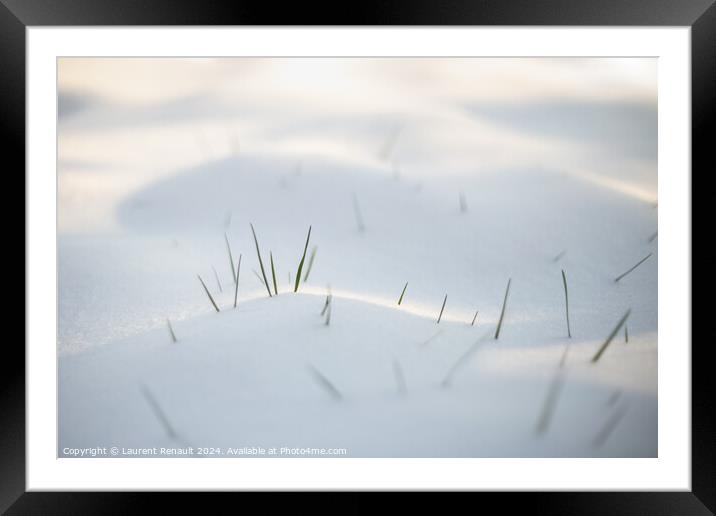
(400, 299)
(303, 258)
(566, 303)
(261, 263)
(158, 412)
(441, 310)
(502, 312)
(310, 263)
(236, 285)
(231, 258)
(216, 275)
(171, 331)
(208, 293)
(325, 383)
(634, 267)
(604, 346)
(273, 274)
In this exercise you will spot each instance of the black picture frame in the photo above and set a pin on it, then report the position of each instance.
(17, 15)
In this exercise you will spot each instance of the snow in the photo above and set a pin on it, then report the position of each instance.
(244, 377)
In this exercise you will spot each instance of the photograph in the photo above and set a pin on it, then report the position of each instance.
(357, 257)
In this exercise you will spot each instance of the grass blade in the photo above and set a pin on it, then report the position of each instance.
(303, 258)
(550, 402)
(329, 298)
(458, 363)
(208, 293)
(328, 312)
(441, 310)
(310, 263)
(359, 216)
(425, 343)
(635, 266)
(474, 319)
(158, 412)
(261, 263)
(609, 427)
(653, 237)
(171, 331)
(618, 327)
(399, 378)
(216, 275)
(273, 275)
(236, 287)
(566, 303)
(258, 277)
(626, 333)
(400, 300)
(325, 383)
(231, 258)
(502, 313)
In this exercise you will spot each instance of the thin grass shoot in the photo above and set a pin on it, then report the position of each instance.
(303, 258)
(261, 263)
(616, 329)
(208, 293)
(502, 312)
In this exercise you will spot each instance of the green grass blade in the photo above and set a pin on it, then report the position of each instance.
(328, 312)
(399, 378)
(216, 275)
(171, 331)
(310, 263)
(609, 426)
(300, 264)
(325, 383)
(400, 300)
(358, 215)
(158, 412)
(618, 327)
(502, 312)
(208, 293)
(273, 275)
(550, 402)
(566, 303)
(261, 263)
(458, 363)
(236, 286)
(441, 310)
(231, 258)
(635, 266)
